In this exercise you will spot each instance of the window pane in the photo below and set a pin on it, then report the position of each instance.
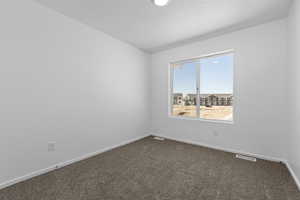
(216, 88)
(184, 90)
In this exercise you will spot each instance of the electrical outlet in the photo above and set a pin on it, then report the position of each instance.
(215, 133)
(51, 146)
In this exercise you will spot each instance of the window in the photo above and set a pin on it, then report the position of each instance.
(202, 88)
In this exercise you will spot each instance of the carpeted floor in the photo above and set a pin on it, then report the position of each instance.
(160, 170)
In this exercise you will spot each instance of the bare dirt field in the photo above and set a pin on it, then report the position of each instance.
(214, 112)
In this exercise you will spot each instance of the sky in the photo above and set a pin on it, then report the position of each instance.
(216, 76)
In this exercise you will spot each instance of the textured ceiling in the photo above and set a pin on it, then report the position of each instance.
(152, 29)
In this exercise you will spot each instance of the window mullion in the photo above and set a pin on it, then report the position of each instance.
(198, 89)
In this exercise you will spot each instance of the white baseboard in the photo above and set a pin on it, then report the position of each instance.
(63, 164)
(263, 157)
(296, 179)
(86, 156)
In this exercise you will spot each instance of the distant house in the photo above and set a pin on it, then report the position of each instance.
(216, 99)
(177, 99)
(205, 99)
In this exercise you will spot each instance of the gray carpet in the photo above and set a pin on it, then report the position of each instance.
(160, 170)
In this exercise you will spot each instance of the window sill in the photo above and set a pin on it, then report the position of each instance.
(202, 120)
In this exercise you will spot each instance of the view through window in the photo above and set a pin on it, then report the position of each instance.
(203, 88)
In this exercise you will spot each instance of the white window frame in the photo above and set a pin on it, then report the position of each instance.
(170, 88)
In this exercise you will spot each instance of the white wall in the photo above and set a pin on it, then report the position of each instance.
(65, 82)
(62, 81)
(294, 85)
(260, 73)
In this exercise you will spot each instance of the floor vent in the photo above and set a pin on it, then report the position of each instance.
(159, 138)
(239, 156)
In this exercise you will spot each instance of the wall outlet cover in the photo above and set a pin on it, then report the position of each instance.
(51, 146)
(215, 133)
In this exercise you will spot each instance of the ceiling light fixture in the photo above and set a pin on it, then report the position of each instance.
(160, 3)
